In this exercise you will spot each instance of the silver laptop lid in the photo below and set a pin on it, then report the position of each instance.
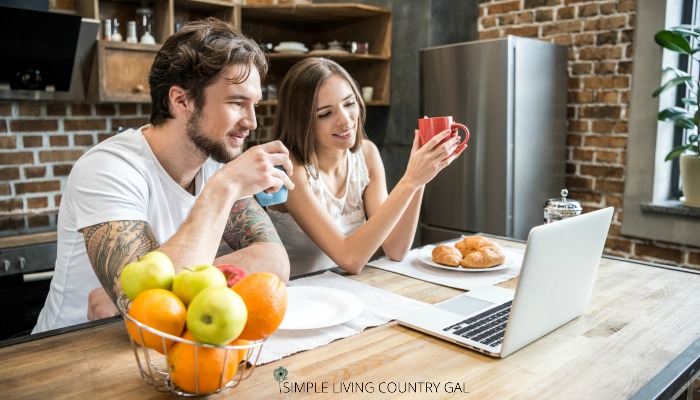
(561, 262)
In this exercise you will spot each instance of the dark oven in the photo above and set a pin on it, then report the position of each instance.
(25, 271)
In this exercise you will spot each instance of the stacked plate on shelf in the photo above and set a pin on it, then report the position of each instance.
(291, 48)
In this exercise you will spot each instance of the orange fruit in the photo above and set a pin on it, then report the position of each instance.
(159, 309)
(242, 353)
(201, 370)
(265, 296)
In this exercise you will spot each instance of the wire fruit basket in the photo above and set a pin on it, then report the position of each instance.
(156, 369)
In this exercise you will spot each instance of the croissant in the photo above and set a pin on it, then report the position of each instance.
(479, 252)
(446, 255)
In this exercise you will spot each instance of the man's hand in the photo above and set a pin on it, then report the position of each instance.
(253, 171)
(100, 305)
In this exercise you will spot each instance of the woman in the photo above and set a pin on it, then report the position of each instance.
(340, 212)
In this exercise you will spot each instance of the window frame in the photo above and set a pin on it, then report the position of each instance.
(648, 175)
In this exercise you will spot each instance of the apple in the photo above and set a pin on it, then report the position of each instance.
(193, 280)
(232, 273)
(216, 316)
(153, 270)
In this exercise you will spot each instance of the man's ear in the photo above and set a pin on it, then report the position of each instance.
(180, 104)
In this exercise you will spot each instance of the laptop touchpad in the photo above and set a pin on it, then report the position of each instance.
(464, 305)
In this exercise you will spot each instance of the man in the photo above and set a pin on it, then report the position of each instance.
(177, 185)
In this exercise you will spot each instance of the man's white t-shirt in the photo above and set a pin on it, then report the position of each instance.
(119, 179)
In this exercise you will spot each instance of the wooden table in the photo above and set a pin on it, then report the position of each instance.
(639, 338)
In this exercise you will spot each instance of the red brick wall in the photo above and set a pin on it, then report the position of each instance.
(599, 35)
(40, 142)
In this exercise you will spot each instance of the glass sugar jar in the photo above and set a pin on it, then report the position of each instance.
(557, 209)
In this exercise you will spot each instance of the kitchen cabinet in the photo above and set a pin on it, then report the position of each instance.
(120, 72)
(323, 23)
(120, 69)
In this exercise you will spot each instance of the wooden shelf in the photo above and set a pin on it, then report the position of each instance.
(367, 103)
(323, 23)
(120, 71)
(344, 57)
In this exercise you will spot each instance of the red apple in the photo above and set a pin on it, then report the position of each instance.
(233, 273)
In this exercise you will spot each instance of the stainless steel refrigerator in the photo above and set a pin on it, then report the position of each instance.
(511, 94)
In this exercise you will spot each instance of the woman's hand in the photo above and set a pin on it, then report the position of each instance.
(427, 160)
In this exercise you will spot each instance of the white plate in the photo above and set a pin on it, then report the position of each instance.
(328, 52)
(425, 255)
(290, 49)
(311, 307)
(291, 44)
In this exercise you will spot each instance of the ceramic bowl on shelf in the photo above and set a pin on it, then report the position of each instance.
(335, 45)
(291, 47)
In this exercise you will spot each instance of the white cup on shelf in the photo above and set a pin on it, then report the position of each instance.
(367, 93)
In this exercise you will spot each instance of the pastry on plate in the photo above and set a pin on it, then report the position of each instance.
(447, 255)
(479, 252)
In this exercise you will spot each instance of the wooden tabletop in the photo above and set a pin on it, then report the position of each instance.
(640, 323)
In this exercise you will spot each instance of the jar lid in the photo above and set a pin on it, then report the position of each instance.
(563, 204)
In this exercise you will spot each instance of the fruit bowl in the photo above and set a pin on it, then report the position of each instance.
(157, 368)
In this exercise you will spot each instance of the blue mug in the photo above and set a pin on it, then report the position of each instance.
(269, 199)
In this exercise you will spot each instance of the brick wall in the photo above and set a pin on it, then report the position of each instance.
(599, 35)
(40, 142)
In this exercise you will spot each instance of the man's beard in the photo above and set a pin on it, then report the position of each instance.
(214, 150)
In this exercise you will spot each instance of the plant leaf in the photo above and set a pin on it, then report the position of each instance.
(686, 123)
(673, 41)
(686, 30)
(673, 113)
(675, 153)
(676, 71)
(690, 101)
(672, 83)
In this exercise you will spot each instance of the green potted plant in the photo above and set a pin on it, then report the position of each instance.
(683, 39)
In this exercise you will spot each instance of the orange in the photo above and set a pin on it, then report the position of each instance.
(201, 370)
(159, 309)
(265, 296)
(242, 353)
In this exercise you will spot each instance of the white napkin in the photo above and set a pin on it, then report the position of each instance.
(380, 307)
(466, 280)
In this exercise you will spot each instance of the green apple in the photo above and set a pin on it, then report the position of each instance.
(153, 270)
(216, 315)
(193, 280)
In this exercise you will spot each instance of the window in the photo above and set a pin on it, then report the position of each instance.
(648, 176)
(689, 15)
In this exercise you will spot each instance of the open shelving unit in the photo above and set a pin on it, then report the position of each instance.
(120, 70)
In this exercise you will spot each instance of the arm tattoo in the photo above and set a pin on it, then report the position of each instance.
(248, 223)
(112, 245)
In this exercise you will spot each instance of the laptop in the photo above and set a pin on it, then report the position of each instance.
(559, 266)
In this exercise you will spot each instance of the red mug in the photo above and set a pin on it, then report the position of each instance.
(429, 127)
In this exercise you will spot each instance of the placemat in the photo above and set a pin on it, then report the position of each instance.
(380, 307)
(412, 266)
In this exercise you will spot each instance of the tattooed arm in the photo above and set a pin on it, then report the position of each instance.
(110, 246)
(257, 247)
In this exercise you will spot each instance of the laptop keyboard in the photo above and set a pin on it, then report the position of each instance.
(487, 327)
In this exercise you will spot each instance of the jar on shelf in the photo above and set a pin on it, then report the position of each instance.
(144, 16)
